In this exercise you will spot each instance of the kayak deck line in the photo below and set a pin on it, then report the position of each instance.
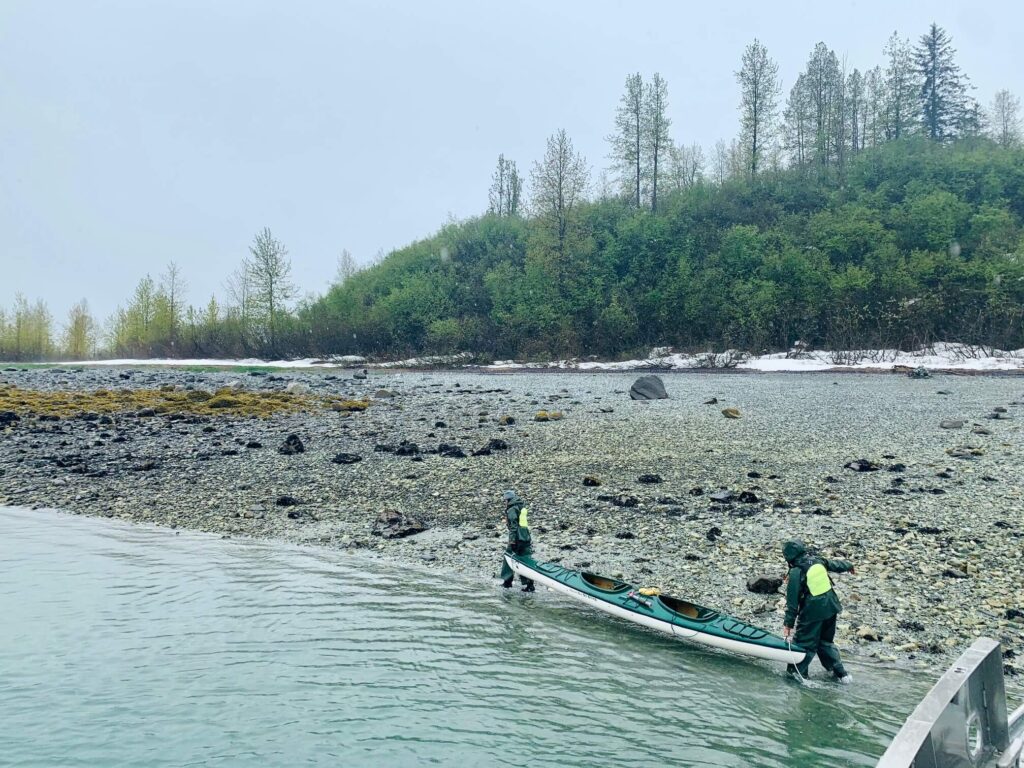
(664, 613)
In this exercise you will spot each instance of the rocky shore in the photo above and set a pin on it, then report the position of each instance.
(918, 482)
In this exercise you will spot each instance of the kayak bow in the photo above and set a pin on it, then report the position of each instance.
(671, 615)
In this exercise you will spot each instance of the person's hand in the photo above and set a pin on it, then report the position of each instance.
(786, 633)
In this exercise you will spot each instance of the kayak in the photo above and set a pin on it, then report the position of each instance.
(671, 615)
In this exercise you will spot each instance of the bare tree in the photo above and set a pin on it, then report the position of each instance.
(347, 267)
(268, 271)
(901, 88)
(627, 141)
(685, 166)
(1004, 119)
(758, 78)
(172, 296)
(506, 189)
(656, 140)
(80, 332)
(558, 184)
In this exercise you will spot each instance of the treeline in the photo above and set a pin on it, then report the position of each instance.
(874, 208)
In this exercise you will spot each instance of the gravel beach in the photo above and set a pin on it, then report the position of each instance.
(934, 525)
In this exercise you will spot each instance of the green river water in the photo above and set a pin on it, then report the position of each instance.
(136, 646)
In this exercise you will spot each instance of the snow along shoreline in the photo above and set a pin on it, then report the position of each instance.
(947, 357)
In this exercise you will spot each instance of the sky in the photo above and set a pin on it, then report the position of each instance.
(134, 133)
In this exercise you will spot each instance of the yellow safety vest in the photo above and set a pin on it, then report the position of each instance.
(524, 520)
(818, 582)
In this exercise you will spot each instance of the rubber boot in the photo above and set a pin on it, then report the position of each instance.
(529, 587)
(507, 583)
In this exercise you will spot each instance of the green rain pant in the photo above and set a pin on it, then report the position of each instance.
(521, 548)
(817, 637)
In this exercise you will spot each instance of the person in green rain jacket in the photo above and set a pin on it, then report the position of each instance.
(519, 541)
(812, 607)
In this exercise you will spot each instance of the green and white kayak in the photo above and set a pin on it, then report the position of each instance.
(671, 615)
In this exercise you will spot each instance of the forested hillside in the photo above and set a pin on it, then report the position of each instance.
(918, 242)
(881, 209)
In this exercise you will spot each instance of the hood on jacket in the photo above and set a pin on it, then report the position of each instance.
(791, 550)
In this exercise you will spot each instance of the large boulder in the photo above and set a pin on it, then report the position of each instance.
(764, 585)
(648, 388)
(392, 524)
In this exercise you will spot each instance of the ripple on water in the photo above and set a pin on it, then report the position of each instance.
(132, 646)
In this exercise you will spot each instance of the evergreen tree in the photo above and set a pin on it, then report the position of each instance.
(944, 105)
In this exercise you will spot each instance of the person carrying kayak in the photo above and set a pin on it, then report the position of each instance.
(812, 606)
(519, 541)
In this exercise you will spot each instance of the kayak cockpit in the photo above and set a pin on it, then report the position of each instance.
(604, 583)
(692, 611)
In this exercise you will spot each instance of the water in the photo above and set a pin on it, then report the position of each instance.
(126, 645)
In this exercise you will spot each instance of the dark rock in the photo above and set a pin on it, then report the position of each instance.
(712, 401)
(999, 409)
(919, 373)
(620, 500)
(996, 416)
(931, 530)
(346, 458)
(747, 497)
(439, 425)
(648, 388)
(753, 475)
(911, 625)
(744, 512)
(497, 444)
(7, 418)
(451, 451)
(764, 585)
(145, 412)
(954, 573)
(287, 501)
(591, 482)
(405, 448)
(981, 431)
(359, 374)
(897, 468)
(667, 501)
(1014, 613)
(943, 392)
(381, 448)
(831, 479)
(291, 445)
(821, 512)
(862, 465)
(650, 479)
(689, 556)
(698, 491)
(723, 497)
(713, 533)
(254, 444)
(392, 524)
(944, 474)
(625, 535)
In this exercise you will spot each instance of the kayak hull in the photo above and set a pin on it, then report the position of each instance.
(709, 628)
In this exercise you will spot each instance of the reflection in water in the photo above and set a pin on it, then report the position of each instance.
(128, 645)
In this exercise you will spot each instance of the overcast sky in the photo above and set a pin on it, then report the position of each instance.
(134, 133)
